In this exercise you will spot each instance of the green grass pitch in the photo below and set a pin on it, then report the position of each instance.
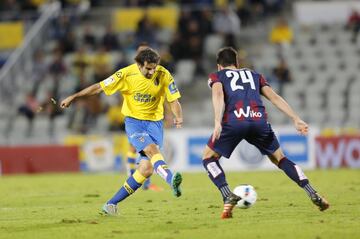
(68, 206)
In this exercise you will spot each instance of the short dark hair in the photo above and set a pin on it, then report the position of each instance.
(149, 55)
(227, 56)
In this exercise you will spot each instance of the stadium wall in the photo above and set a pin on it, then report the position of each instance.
(338, 151)
(38, 159)
(184, 149)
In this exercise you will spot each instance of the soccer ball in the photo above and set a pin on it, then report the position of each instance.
(248, 195)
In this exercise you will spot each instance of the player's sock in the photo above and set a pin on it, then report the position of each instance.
(161, 168)
(309, 190)
(131, 162)
(130, 186)
(217, 175)
(297, 175)
(294, 172)
(146, 184)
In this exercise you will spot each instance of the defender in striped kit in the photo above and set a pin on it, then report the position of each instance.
(240, 114)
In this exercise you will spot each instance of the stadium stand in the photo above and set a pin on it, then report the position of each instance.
(322, 60)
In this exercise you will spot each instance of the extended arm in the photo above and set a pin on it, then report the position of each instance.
(218, 104)
(176, 109)
(89, 91)
(282, 105)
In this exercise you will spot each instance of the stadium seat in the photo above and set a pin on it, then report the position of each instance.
(20, 128)
(315, 116)
(184, 72)
(60, 125)
(41, 126)
(212, 44)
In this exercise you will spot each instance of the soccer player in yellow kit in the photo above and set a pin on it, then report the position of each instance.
(132, 157)
(144, 86)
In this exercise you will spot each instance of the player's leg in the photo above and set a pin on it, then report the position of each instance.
(131, 163)
(135, 132)
(224, 146)
(263, 137)
(147, 137)
(217, 175)
(295, 173)
(133, 182)
(131, 159)
(161, 168)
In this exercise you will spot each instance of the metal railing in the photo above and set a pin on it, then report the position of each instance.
(20, 63)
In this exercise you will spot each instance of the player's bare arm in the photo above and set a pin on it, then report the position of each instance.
(218, 104)
(282, 105)
(176, 109)
(89, 91)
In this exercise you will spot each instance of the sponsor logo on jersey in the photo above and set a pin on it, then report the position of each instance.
(108, 81)
(172, 88)
(144, 97)
(248, 113)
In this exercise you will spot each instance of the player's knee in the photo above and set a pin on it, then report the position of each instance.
(151, 150)
(209, 153)
(146, 170)
(276, 156)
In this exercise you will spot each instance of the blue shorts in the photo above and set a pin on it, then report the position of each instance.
(141, 133)
(257, 133)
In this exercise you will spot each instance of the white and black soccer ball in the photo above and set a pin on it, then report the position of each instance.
(248, 195)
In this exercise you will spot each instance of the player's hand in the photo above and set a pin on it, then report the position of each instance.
(301, 126)
(178, 122)
(217, 132)
(66, 102)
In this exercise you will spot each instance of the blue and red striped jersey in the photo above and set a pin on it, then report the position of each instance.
(241, 94)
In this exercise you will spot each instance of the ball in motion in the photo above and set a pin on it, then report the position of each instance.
(248, 196)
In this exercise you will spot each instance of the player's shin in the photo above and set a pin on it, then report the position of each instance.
(295, 173)
(161, 168)
(217, 175)
(130, 186)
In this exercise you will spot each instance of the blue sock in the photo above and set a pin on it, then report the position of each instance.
(146, 183)
(217, 175)
(161, 168)
(130, 186)
(293, 171)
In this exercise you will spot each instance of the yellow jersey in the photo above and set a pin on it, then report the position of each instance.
(143, 97)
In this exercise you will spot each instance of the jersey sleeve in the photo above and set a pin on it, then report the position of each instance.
(213, 78)
(114, 83)
(171, 91)
(263, 81)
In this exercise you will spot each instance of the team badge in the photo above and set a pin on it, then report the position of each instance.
(118, 74)
(142, 139)
(172, 88)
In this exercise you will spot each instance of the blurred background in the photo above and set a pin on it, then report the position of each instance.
(309, 52)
